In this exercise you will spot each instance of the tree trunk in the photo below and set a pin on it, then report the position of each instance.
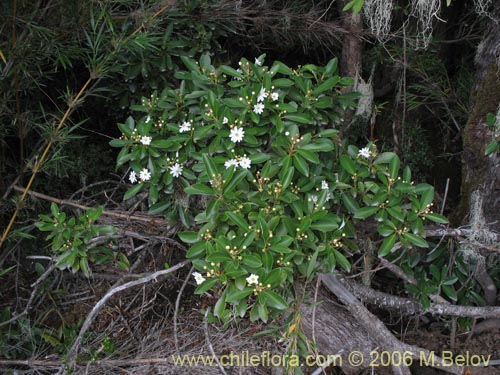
(479, 172)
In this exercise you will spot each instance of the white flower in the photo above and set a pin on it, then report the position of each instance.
(148, 119)
(364, 152)
(185, 127)
(245, 162)
(275, 96)
(324, 185)
(146, 141)
(225, 120)
(253, 279)
(314, 198)
(258, 62)
(176, 170)
(198, 278)
(258, 108)
(144, 175)
(230, 162)
(262, 95)
(236, 134)
(132, 177)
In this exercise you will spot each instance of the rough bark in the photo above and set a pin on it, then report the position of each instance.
(480, 172)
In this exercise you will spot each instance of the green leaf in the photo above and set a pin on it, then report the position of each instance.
(237, 295)
(159, 208)
(205, 286)
(274, 300)
(437, 218)
(230, 71)
(197, 250)
(427, 196)
(301, 118)
(450, 292)
(162, 143)
(416, 240)
(199, 189)
(342, 260)
(132, 192)
(394, 167)
(327, 85)
(252, 261)
(348, 164)
(350, 203)
(238, 220)
(385, 157)
(312, 264)
(188, 237)
(324, 225)
(492, 147)
(301, 165)
(210, 167)
(219, 306)
(387, 245)
(231, 184)
(365, 212)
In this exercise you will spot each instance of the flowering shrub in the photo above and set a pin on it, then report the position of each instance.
(251, 163)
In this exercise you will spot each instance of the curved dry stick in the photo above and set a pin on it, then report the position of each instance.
(176, 311)
(95, 310)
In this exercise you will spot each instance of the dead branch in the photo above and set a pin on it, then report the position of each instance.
(408, 306)
(377, 329)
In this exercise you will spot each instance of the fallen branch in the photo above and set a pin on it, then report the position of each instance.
(378, 330)
(409, 306)
(95, 310)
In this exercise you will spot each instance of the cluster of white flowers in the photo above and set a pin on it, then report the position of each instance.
(244, 162)
(324, 185)
(198, 278)
(185, 127)
(236, 135)
(253, 279)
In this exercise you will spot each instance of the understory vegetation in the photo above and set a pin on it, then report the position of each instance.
(205, 176)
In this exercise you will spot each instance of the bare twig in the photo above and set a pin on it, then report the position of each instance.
(95, 310)
(210, 347)
(177, 303)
